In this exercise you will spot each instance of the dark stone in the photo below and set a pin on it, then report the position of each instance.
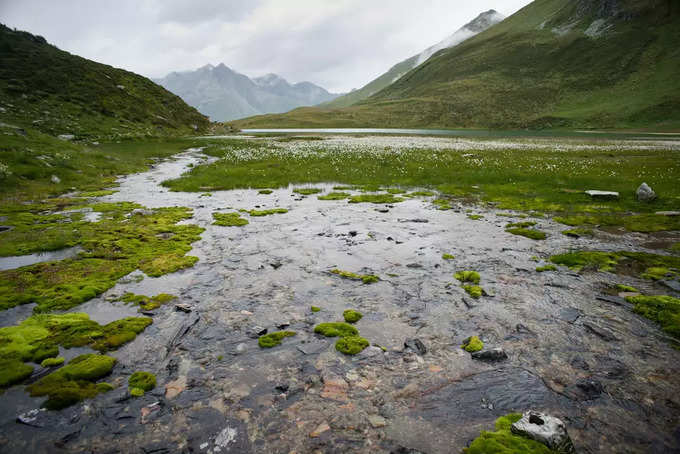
(282, 388)
(256, 331)
(585, 389)
(415, 345)
(413, 265)
(277, 265)
(612, 299)
(521, 329)
(580, 363)
(600, 331)
(492, 355)
(182, 307)
(417, 221)
(283, 325)
(353, 233)
(570, 314)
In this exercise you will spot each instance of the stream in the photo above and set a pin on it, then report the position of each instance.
(573, 353)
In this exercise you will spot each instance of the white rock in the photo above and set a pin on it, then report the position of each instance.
(66, 136)
(55, 179)
(644, 193)
(606, 195)
(545, 429)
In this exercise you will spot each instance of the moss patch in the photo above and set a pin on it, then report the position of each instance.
(13, 371)
(307, 191)
(475, 217)
(626, 288)
(260, 213)
(472, 344)
(265, 191)
(468, 276)
(375, 198)
(315, 309)
(528, 233)
(142, 380)
(665, 310)
(335, 196)
(352, 316)
(115, 246)
(73, 382)
(639, 264)
(136, 392)
(365, 278)
(542, 269)
(336, 329)
(577, 233)
(503, 441)
(51, 362)
(448, 257)
(351, 345)
(229, 220)
(475, 291)
(146, 303)
(273, 339)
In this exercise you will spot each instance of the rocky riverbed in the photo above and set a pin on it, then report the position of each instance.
(573, 350)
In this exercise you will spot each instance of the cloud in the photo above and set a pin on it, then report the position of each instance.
(338, 44)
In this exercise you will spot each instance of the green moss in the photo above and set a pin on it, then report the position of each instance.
(521, 225)
(117, 245)
(229, 220)
(448, 257)
(104, 387)
(675, 247)
(352, 316)
(145, 303)
(365, 278)
(626, 288)
(260, 213)
(51, 362)
(13, 371)
(474, 291)
(528, 233)
(101, 193)
(442, 204)
(315, 309)
(375, 198)
(393, 190)
(657, 273)
(665, 310)
(472, 344)
(336, 329)
(273, 339)
(468, 276)
(420, 194)
(475, 217)
(351, 345)
(142, 380)
(542, 269)
(38, 337)
(73, 382)
(335, 196)
(576, 233)
(641, 264)
(503, 441)
(265, 191)
(136, 392)
(307, 191)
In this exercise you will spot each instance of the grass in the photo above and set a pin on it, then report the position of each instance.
(524, 176)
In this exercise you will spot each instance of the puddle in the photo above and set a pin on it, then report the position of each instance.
(10, 263)
(271, 271)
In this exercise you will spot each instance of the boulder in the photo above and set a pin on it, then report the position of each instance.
(493, 355)
(644, 193)
(603, 195)
(545, 429)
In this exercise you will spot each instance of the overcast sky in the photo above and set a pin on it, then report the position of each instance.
(338, 44)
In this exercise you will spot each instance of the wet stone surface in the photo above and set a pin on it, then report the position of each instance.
(604, 371)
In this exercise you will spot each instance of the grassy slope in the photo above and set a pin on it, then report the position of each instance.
(58, 93)
(520, 73)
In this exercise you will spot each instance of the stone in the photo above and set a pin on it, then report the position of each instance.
(377, 421)
(66, 136)
(256, 331)
(545, 429)
(175, 387)
(55, 179)
(416, 345)
(673, 285)
(644, 193)
(321, 428)
(600, 331)
(603, 195)
(585, 389)
(491, 355)
(182, 307)
(667, 213)
(241, 348)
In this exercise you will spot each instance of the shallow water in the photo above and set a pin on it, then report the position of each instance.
(237, 397)
(10, 263)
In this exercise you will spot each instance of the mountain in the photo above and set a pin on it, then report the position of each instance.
(553, 64)
(45, 88)
(224, 94)
(479, 24)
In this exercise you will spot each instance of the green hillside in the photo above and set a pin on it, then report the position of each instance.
(554, 64)
(50, 90)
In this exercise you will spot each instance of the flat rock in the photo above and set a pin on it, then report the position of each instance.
(491, 356)
(545, 429)
(602, 195)
(600, 331)
(673, 285)
(416, 345)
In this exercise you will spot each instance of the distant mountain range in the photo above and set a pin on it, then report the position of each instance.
(478, 25)
(553, 64)
(224, 94)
